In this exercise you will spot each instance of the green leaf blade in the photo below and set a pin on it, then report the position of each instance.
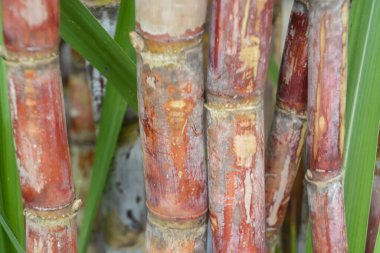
(11, 201)
(113, 111)
(80, 29)
(363, 115)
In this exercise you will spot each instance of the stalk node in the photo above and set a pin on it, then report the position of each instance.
(3, 52)
(137, 41)
(31, 61)
(58, 216)
(324, 180)
(216, 108)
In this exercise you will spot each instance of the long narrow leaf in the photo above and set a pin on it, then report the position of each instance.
(273, 71)
(3, 244)
(10, 234)
(113, 111)
(81, 30)
(363, 114)
(11, 202)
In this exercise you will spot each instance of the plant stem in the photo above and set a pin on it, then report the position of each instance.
(326, 115)
(82, 127)
(374, 214)
(287, 136)
(304, 219)
(31, 36)
(239, 55)
(171, 85)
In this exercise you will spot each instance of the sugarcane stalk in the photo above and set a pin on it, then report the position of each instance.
(374, 214)
(31, 33)
(239, 50)
(277, 41)
(82, 126)
(168, 40)
(304, 219)
(287, 135)
(326, 116)
(82, 134)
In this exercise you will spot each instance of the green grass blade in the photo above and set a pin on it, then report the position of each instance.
(363, 114)
(11, 202)
(273, 71)
(3, 246)
(80, 29)
(113, 111)
(309, 243)
(10, 234)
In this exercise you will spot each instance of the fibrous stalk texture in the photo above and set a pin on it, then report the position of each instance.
(287, 135)
(238, 58)
(31, 35)
(168, 41)
(326, 115)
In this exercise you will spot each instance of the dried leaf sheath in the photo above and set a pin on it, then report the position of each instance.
(38, 120)
(287, 136)
(171, 85)
(326, 113)
(239, 46)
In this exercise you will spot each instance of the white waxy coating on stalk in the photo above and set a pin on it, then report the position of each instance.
(34, 12)
(170, 17)
(13, 101)
(248, 195)
(279, 195)
(245, 149)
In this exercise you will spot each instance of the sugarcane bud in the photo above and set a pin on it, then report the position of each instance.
(76, 205)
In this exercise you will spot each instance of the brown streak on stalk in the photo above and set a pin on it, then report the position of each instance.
(288, 130)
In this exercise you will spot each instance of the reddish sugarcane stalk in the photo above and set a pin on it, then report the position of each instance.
(304, 217)
(171, 85)
(326, 114)
(287, 136)
(31, 33)
(374, 214)
(82, 125)
(239, 49)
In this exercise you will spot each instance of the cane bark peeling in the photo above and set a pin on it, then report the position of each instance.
(287, 136)
(326, 113)
(105, 11)
(374, 214)
(39, 124)
(170, 94)
(239, 46)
